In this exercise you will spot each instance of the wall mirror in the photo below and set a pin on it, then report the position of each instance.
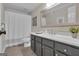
(60, 20)
(63, 14)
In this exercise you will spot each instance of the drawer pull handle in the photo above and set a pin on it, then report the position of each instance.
(65, 50)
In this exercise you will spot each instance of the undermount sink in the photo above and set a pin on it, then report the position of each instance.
(38, 33)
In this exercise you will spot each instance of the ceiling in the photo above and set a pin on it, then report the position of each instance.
(22, 7)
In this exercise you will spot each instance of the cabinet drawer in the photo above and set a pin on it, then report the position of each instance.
(72, 51)
(38, 39)
(47, 51)
(48, 42)
(38, 49)
(59, 54)
(61, 47)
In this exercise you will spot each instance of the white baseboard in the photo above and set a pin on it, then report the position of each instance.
(9, 45)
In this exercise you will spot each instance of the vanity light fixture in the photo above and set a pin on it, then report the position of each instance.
(50, 5)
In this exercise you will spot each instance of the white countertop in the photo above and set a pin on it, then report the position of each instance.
(60, 38)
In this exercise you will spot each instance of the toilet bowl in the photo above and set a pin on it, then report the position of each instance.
(27, 42)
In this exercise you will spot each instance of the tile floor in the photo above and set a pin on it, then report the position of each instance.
(19, 50)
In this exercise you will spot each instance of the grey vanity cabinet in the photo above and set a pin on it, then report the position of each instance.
(47, 47)
(38, 48)
(47, 51)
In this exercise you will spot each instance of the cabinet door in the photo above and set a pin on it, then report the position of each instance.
(59, 54)
(32, 44)
(38, 39)
(47, 51)
(48, 42)
(38, 49)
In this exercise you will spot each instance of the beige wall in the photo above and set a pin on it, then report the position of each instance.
(37, 13)
(2, 38)
(78, 13)
(3, 14)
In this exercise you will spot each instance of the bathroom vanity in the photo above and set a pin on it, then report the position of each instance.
(54, 45)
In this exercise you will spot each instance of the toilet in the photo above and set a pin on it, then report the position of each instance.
(27, 42)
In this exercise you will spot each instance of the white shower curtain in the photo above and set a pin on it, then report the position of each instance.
(17, 26)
